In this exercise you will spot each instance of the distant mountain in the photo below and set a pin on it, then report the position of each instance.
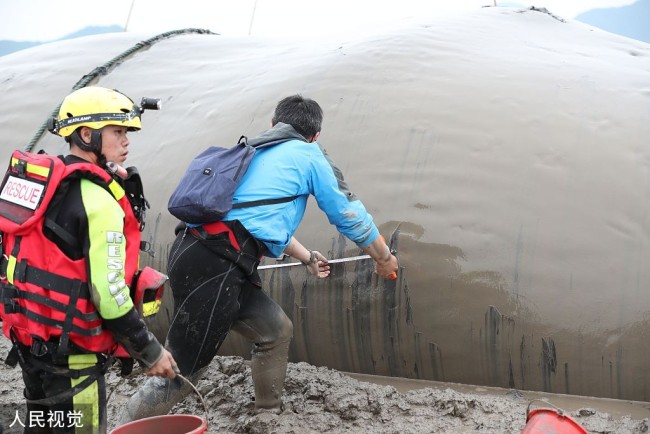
(632, 21)
(7, 47)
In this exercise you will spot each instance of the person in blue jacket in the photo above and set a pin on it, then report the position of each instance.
(213, 267)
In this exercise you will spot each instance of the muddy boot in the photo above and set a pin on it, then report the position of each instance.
(157, 397)
(269, 369)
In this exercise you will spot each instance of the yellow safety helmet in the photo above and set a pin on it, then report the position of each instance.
(95, 107)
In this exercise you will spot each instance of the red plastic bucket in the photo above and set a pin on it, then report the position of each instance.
(167, 424)
(548, 421)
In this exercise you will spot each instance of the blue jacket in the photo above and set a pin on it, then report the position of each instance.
(295, 167)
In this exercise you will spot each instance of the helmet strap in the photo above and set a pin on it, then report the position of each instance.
(95, 145)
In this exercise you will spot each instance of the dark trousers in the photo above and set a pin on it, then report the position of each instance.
(85, 412)
(216, 289)
(214, 292)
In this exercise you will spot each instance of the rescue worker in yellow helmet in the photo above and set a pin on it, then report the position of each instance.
(67, 281)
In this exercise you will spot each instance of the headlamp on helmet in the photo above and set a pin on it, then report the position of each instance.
(95, 107)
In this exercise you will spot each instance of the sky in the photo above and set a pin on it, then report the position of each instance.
(47, 20)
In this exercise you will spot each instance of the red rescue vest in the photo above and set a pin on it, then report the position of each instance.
(45, 294)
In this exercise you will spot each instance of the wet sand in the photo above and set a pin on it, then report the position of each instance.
(323, 400)
(616, 408)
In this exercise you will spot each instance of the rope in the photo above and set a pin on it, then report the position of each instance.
(107, 67)
(205, 406)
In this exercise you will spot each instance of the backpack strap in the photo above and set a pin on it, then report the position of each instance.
(264, 202)
(132, 185)
(244, 140)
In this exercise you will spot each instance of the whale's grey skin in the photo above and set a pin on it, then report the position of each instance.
(503, 153)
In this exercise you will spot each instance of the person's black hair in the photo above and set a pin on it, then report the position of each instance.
(303, 114)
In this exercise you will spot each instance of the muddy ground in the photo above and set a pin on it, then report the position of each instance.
(322, 400)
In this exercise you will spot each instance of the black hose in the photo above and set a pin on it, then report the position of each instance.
(107, 67)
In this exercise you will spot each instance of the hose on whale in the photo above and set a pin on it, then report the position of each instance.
(108, 66)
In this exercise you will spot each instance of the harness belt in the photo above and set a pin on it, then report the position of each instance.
(216, 228)
(93, 373)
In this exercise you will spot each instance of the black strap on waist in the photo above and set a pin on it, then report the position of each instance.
(93, 373)
(61, 370)
(16, 308)
(8, 291)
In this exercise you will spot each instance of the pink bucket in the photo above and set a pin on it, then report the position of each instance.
(167, 424)
(549, 421)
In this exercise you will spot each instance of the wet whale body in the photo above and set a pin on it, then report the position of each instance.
(502, 152)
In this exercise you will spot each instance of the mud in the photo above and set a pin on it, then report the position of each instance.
(323, 400)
